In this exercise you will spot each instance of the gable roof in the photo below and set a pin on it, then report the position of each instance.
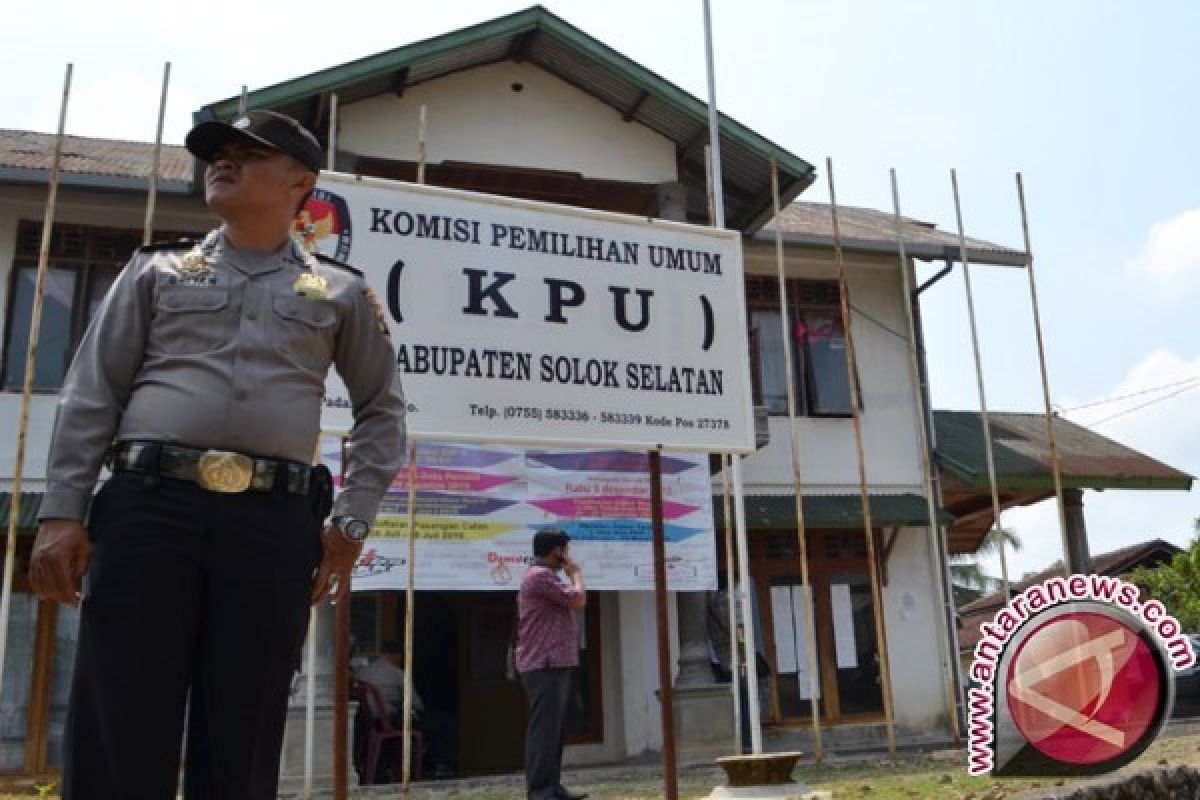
(538, 37)
(871, 231)
(28, 157)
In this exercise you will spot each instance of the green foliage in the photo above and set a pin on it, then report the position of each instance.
(1176, 585)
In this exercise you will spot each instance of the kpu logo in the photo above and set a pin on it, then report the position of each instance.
(1074, 677)
(323, 225)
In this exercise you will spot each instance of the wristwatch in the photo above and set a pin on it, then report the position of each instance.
(352, 528)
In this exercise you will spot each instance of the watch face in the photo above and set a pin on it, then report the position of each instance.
(356, 529)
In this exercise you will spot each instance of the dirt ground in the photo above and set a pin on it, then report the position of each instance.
(937, 775)
(940, 775)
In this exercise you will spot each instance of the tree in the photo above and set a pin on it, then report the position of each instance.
(1176, 584)
(966, 573)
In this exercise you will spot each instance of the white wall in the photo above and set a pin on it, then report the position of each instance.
(638, 676)
(828, 459)
(475, 116)
(914, 644)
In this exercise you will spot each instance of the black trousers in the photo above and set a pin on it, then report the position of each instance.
(195, 592)
(549, 692)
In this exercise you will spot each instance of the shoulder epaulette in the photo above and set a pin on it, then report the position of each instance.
(333, 262)
(159, 247)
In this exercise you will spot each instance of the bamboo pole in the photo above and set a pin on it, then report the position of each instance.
(310, 684)
(35, 324)
(797, 484)
(1055, 463)
(151, 199)
(310, 695)
(341, 698)
(987, 428)
(243, 101)
(731, 597)
(331, 151)
(885, 676)
(739, 498)
(410, 600)
(410, 596)
(421, 146)
(310, 702)
(945, 652)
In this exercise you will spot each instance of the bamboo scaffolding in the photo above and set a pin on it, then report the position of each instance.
(310, 693)
(410, 595)
(331, 150)
(987, 427)
(731, 597)
(868, 528)
(35, 324)
(310, 683)
(739, 500)
(410, 600)
(1055, 463)
(341, 697)
(946, 654)
(152, 197)
(810, 625)
(421, 145)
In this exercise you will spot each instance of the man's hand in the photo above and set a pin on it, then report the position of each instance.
(570, 567)
(339, 556)
(61, 554)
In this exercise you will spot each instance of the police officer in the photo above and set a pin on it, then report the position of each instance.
(201, 379)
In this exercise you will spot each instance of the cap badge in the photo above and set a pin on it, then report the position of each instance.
(314, 287)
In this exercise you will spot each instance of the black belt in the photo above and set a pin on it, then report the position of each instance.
(215, 470)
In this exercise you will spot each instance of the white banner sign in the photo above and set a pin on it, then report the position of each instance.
(530, 323)
(479, 506)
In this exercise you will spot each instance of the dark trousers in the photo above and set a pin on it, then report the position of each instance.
(195, 592)
(549, 692)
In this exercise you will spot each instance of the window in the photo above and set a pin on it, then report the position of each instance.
(84, 262)
(818, 347)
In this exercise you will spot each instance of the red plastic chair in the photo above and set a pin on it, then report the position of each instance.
(379, 730)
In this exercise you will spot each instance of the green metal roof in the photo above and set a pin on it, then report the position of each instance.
(1022, 455)
(537, 36)
(776, 511)
(30, 503)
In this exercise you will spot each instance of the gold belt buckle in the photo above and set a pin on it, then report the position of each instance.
(222, 471)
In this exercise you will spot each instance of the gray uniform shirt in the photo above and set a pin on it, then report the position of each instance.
(228, 355)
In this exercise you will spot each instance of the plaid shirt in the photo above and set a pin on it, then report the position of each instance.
(547, 635)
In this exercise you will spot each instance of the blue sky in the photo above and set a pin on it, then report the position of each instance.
(1093, 101)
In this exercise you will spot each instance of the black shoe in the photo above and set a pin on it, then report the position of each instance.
(567, 794)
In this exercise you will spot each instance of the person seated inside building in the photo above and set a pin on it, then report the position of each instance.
(438, 728)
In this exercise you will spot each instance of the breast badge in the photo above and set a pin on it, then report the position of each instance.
(314, 287)
(194, 265)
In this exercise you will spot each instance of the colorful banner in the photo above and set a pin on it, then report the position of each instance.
(477, 508)
(544, 325)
